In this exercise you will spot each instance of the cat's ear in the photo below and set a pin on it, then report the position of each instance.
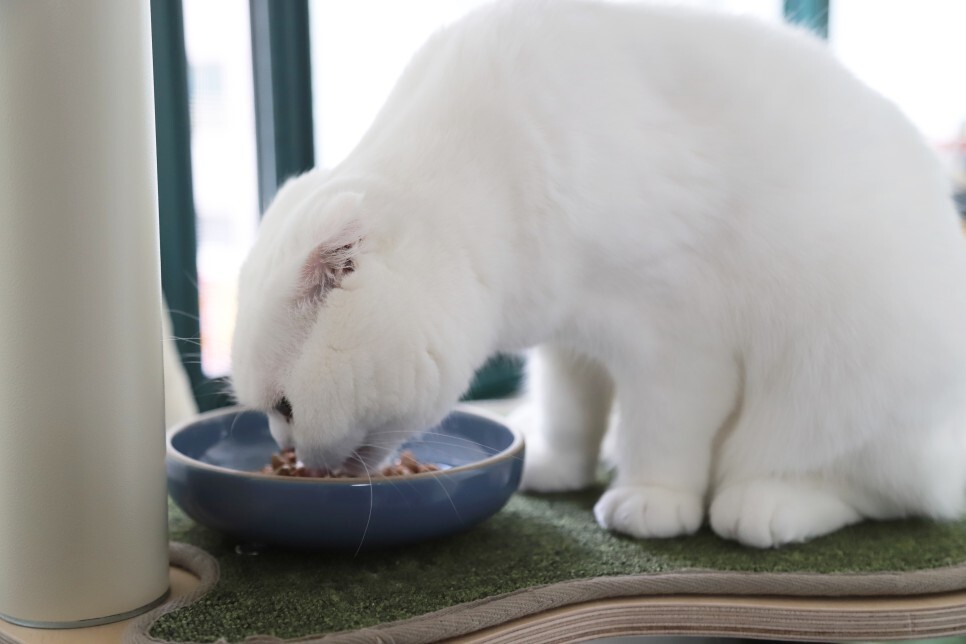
(333, 258)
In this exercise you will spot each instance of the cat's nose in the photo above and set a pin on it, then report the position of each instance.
(284, 407)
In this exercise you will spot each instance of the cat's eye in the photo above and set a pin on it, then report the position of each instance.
(284, 407)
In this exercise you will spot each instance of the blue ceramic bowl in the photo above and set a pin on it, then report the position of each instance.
(213, 462)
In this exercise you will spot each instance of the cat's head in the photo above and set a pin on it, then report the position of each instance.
(342, 335)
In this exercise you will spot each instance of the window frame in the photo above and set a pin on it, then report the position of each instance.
(281, 62)
(812, 14)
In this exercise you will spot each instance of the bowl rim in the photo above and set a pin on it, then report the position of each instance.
(513, 450)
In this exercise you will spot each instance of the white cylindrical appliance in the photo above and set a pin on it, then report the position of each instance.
(83, 503)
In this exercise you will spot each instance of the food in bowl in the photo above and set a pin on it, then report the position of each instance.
(286, 463)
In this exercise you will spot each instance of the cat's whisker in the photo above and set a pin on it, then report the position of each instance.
(208, 394)
(432, 433)
(439, 481)
(231, 428)
(228, 390)
(191, 359)
(191, 280)
(191, 316)
(490, 451)
(195, 341)
(456, 440)
(371, 502)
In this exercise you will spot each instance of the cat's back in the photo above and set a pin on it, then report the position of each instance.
(744, 130)
(669, 46)
(616, 70)
(646, 109)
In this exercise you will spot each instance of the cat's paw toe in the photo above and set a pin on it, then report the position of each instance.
(768, 514)
(648, 511)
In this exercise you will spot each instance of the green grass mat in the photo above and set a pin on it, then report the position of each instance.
(534, 540)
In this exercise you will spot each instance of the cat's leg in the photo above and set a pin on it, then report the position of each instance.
(775, 483)
(897, 473)
(768, 512)
(912, 473)
(670, 416)
(924, 475)
(565, 421)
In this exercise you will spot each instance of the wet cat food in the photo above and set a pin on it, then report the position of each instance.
(285, 463)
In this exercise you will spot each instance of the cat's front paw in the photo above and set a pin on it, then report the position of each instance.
(649, 511)
(770, 513)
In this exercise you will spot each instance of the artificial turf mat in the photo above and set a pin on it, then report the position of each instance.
(534, 540)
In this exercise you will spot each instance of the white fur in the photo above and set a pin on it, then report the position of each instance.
(706, 218)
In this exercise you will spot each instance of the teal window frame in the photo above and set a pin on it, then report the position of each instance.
(284, 132)
(812, 14)
(176, 209)
(281, 62)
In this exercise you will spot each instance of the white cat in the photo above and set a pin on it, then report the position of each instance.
(704, 218)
